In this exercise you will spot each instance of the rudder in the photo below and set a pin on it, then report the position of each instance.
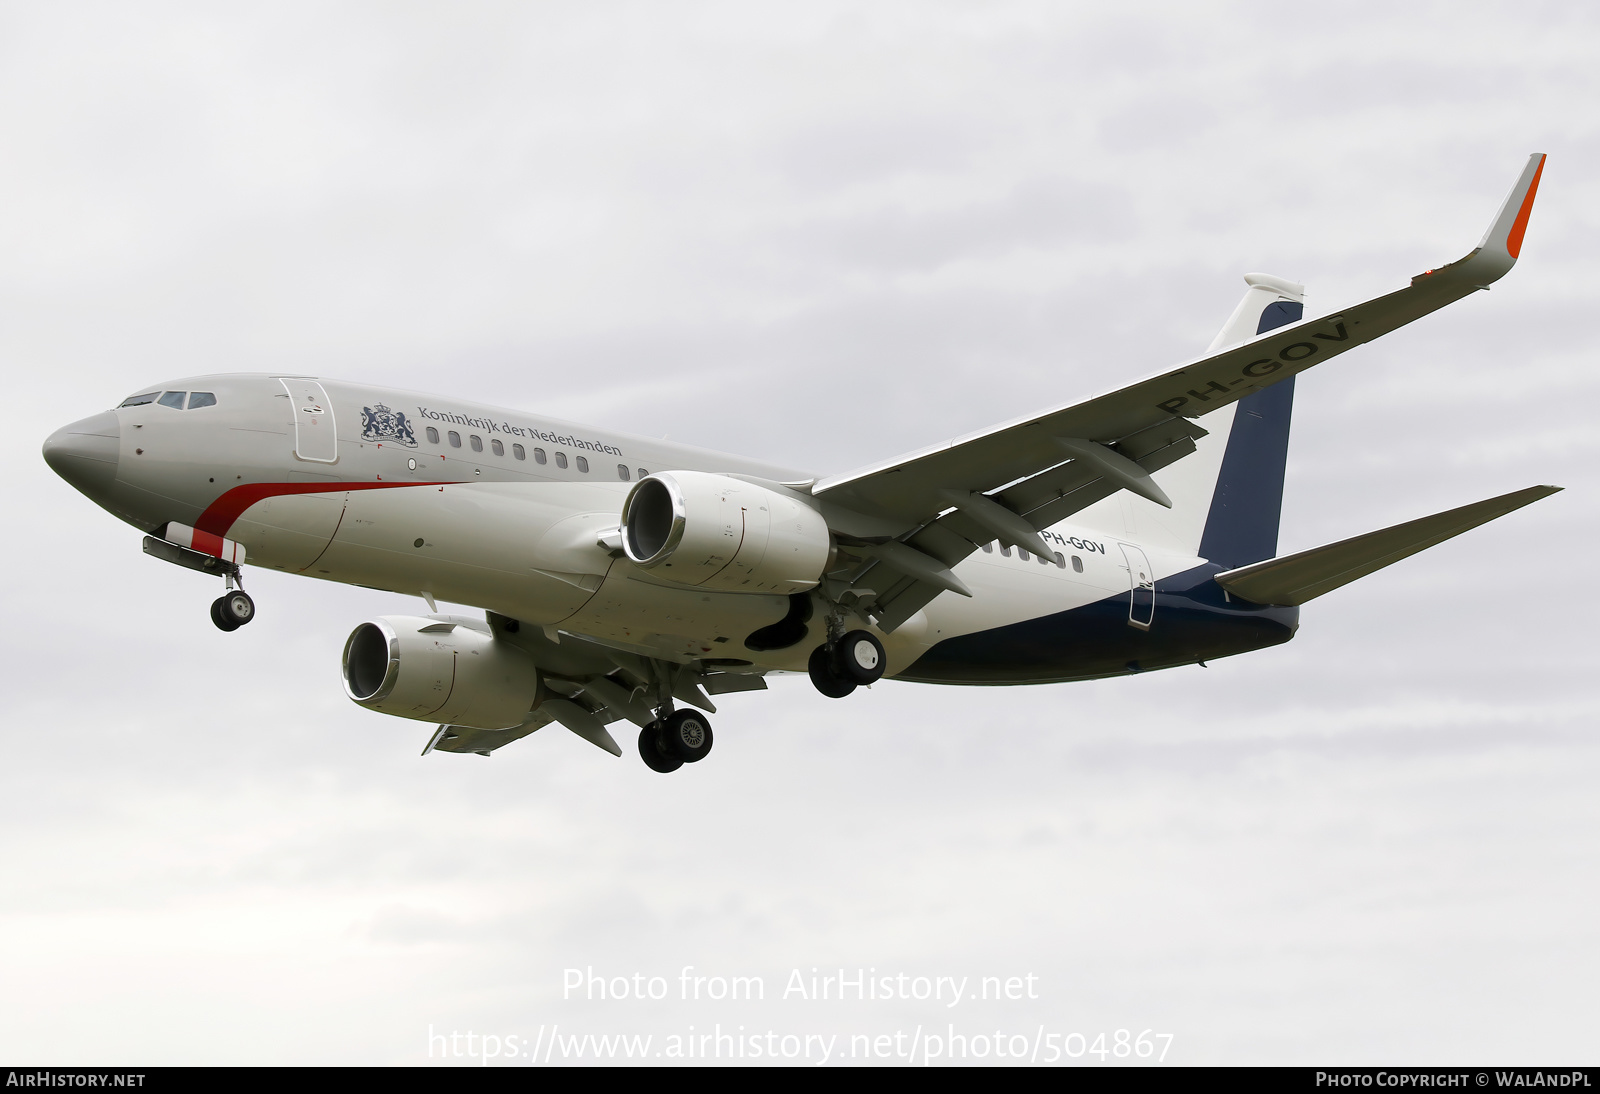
(1242, 523)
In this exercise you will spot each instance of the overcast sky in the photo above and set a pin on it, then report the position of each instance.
(822, 234)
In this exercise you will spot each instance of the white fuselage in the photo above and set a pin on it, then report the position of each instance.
(504, 510)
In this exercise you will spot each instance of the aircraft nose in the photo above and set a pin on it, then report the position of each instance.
(85, 453)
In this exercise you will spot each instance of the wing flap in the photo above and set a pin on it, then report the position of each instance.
(1295, 579)
(1040, 502)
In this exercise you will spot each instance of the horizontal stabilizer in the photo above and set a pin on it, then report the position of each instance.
(1295, 579)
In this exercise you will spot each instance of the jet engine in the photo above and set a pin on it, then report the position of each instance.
(716, 532)
(438, 671)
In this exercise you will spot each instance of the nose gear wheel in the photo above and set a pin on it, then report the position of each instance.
(233, 610)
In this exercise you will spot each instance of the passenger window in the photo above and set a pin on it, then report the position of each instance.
(1043, 561)
(1061, 562)
(199, 399)
(433, 435)
(141, 400)
(583, 465)
(455, 439)
(519, 452)
(1006, 551)
(643, 473)
(1077, 563)
(1023, 555)
(174, 399)
(497, 448)
(988, 548)
(538, 455)
(477, 442)
(561, 459)
(622, 472)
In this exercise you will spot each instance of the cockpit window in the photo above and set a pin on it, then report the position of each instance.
(201, 398)
(174, 399)
(141, 400)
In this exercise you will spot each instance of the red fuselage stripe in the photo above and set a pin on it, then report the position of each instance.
(207, 542)
(219, 515)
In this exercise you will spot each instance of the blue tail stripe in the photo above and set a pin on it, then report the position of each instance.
(1280, 313)
(1242, 526)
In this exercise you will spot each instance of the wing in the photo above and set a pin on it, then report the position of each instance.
(1007, 482)
(592, 682)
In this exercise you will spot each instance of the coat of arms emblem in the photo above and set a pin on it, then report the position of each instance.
(379, 423)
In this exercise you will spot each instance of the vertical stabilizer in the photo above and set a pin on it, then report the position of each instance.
(1242, 523)
(1226, 496)
(1268, 303)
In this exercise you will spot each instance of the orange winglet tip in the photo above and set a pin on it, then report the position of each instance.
(1520, 225)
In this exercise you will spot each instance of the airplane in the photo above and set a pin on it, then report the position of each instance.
(624, 579)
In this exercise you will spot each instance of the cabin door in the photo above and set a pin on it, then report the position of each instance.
(314, 437)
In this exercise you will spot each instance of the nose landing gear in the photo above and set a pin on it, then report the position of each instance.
(232, 610)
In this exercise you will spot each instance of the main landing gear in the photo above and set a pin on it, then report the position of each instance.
(683, 737)
(854, 661)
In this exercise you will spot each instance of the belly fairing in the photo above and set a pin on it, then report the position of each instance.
(673, 622)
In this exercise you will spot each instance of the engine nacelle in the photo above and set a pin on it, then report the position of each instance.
(716, 532)
(437, 671)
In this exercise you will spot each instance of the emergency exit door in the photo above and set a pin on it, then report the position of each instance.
(1141, 587)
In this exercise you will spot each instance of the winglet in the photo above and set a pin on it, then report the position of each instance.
(1497, 252)
(1505, 234)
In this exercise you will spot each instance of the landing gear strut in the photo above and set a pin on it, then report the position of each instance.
(683, 737)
